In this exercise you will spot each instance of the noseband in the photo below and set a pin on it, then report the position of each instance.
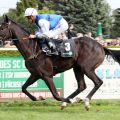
(10, 34)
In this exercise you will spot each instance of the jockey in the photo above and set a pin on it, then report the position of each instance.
(49, 25)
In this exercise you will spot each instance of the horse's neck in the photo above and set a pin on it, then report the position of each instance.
(25, 47)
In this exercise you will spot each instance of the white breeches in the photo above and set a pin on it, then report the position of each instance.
(60, 28)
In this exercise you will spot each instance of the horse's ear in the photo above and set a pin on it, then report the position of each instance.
(6, 19)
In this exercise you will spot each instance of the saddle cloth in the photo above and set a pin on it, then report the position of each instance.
(65, 48)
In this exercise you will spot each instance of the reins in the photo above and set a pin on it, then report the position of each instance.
(33, 45)
(34, 48)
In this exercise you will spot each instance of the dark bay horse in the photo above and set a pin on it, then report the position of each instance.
(89, 55)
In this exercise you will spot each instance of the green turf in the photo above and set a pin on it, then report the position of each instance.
(50, 110)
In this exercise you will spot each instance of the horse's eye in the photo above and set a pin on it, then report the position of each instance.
(1, 28)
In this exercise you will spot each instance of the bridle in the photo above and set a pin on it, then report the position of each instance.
(33, 49)
(10, 33)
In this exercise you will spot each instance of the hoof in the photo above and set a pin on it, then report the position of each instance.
(87, 108)
(64, 105)
(78, 100)
(41, 98)
(87, 104)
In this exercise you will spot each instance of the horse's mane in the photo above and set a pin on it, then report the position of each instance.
(20, 26)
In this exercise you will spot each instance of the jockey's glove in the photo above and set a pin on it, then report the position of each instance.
(41, 36)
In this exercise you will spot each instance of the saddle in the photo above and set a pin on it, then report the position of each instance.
(64, 48)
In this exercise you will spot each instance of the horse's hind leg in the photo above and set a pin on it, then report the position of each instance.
(29, 82)
(97, 82)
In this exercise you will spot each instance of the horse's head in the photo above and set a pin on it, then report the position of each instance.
(5, 29)
(11, 30)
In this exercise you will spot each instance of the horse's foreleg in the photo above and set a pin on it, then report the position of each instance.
(49, 82)
(79, 75)
(97, 82)
(30, 81)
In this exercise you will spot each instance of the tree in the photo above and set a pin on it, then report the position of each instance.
(18, 13)
(84, 14)
(116, 23)
(23, 4)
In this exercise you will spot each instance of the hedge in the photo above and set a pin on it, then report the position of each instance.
(10, 53)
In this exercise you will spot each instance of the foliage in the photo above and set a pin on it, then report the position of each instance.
(21, 20)
(85, 14)
(46, 10)
(23, 4)
(18, 13)
(9, 53)
(116, 23)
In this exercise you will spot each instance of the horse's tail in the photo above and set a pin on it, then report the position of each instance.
(115, 54)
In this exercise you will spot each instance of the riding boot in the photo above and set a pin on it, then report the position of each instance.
(54, 51)
(52, 47)
(45, 48)
(50, 44)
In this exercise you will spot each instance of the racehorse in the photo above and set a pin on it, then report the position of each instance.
(89, 55)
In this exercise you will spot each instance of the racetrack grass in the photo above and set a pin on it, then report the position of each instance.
(50, 110)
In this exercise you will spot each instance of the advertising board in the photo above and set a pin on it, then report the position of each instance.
(108, 71)
(13, 75)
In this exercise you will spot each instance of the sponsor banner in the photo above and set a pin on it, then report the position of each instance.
(13, 74)
(108, 71)
(13, 95)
